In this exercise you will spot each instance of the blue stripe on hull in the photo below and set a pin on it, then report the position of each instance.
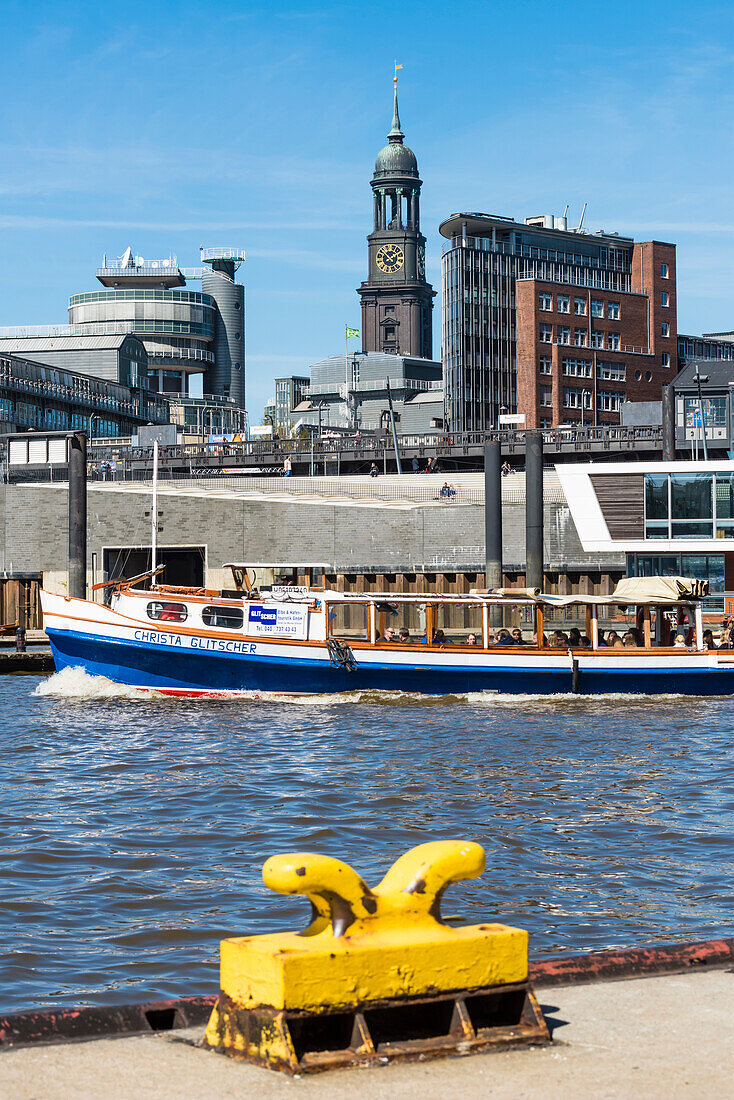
(153, 666)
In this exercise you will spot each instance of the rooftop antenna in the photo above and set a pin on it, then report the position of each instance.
(565, 212)
(581, 221)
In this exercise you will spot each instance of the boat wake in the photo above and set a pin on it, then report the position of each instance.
(77, 685)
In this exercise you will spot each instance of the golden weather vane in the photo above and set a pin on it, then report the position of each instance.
(395, 78)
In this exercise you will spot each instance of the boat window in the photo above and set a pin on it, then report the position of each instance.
(164, 610)
(350, 621)
(230, 618)
(457, 624)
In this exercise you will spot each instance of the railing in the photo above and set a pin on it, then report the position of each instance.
(181, 353)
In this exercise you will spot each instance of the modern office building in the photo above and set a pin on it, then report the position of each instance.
(56, 398)
(120, 358)
(352, 392)
(289, 392)
(558, 324)
(669, 518)
(186, 332)
(397, 302)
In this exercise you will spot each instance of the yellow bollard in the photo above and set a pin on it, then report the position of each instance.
(376, 974)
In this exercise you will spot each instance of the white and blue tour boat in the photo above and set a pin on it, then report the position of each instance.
(296, 640)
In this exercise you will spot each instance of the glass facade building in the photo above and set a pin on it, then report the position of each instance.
(33, 396)
(485, 259)
(176, 326)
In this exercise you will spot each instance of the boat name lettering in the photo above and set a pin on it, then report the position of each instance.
(157, 636)
(221, 645)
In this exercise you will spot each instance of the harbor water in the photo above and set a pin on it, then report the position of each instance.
(133, 828)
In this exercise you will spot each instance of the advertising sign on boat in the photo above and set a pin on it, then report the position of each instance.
(283, 621)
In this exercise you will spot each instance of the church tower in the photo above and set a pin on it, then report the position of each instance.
(397, 302)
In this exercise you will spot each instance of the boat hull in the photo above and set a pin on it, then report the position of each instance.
(297, 670)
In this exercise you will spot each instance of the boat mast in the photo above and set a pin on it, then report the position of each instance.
(154, 512)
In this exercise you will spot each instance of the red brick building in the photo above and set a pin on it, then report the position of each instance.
(558, 324)
(582, 352)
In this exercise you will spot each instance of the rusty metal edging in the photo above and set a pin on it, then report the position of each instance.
(112, 1021)
(604, 966)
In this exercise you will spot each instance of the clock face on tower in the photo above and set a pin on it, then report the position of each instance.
(390, 257)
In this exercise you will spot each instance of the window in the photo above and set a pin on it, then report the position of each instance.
(576, 399)
(546, 396)
(579, 337)
(579, 307)
(665, 298)
(229, 618)
(656, 506)
(665, 329)
(691, 506)
(714, 412)
(597, 339)
(725, 506)
(613, 341)
(577, 368)
(613, 311)
(664, 271)
(545, 365)
(610, 372)
(564, 334)
(164, 611)
(545, 301)
(638, 376)
(546, 334)
(389, 332)
(608, 402)
(648, 376)
(562, 303)
(666, 359)
(597, 307)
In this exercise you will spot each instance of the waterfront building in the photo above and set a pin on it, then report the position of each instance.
(352, 392)
(289, 391)
(186, 332)
(397, 302)
(56, 398)
(667, 518)
(558, 324)
(201, 417)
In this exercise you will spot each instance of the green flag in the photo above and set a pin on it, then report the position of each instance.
(351, 331)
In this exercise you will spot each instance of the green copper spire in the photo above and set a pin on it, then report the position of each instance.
(396, 134)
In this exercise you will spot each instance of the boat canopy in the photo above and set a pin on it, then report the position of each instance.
(630, 590)
(659, 589)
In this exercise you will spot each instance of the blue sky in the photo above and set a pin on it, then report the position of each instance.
(171, 125)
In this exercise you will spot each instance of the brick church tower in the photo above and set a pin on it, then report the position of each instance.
(397, 302)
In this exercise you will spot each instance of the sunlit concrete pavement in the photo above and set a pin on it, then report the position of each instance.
(651, 1037)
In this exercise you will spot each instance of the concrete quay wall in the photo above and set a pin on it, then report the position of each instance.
(348, 537)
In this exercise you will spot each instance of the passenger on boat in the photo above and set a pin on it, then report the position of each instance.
(585, 642)
(680, 642)
(471, 639)
(517, 637)
(535, 639)
(555, 640)
(389, 636)
(708, 639)
(574, 637)
(629, 640)
(439, 638)
(613, 638)
(403, 634)
(502, 637)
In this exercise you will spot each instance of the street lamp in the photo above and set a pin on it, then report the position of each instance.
(698, 379)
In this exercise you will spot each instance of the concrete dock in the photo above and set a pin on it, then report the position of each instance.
(661, 1036)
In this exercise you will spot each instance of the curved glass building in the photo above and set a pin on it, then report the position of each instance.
(185, 332)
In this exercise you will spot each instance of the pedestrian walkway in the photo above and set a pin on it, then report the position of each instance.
(669, 1037)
